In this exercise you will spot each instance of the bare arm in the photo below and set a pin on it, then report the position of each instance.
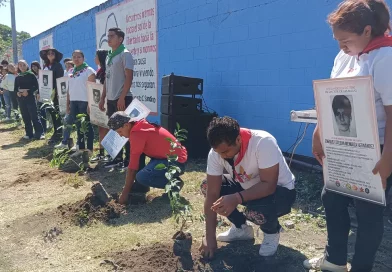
(129, 181)
(387, 151)
(267, 186)
(214, 184)
(91, 78)
(127, 83)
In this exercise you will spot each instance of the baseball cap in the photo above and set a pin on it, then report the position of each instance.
(118, 120)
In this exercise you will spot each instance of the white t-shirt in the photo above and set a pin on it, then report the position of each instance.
(78, 84)
(377, 63)
(263, 152)
(8, 82)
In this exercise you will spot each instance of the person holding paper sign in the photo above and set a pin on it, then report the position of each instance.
(52, 58)
(26, 84)
(117, 87)
(77, 102)
(359, 27)
(149, 140)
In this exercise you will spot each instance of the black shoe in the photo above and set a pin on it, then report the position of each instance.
(123, 165)
(97, 158)
(112, 164)
(139, 188)
(107, 158)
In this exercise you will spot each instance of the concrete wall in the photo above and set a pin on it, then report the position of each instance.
(258, 57)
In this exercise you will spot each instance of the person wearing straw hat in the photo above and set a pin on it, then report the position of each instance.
(52, 58)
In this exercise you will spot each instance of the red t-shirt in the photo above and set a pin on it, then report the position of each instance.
(152, 141)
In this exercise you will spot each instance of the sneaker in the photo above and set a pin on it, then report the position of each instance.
(42, 137)
(61, 146)
(236, 234)
(112, 164)
(26, 137)
(7, 119)
(123, 165)
(98, 158)
(107, 158)
(322, 264)
(75, 148)
(270, 244)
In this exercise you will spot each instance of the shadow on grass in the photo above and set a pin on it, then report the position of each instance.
(9, 129)
(243, 256)
(20, 143)
(42, 152)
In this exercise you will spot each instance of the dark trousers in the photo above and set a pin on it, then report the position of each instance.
(56, 119)
(28, 109)
(80, 107)
(264, 211)
(111, 109)
(369, 233)
(2, 101)
(14, 100)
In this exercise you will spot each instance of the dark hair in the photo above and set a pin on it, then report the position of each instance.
(4, 62)
(102, 54)
(78, 51)
(118, 32)
(223, 129)
(66, 60)
(340, 102)
(1, 66)
(35, 63)
(355, 15)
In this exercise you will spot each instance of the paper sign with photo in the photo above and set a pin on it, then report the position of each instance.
(348, 128)
(94, 92)
(45, 85)
(113, 143)
(62, 91)
(137, 110)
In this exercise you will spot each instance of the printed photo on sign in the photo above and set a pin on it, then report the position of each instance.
(45, 85)
(113, 143)
(137, 110)
(62, 91)
(138, 19)
(351, 148)
(343, 115)
(97, 117)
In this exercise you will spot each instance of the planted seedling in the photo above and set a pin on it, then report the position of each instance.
(181, 208)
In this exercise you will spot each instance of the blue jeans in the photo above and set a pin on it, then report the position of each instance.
(7, 100)
(149, 176)
(78, 107)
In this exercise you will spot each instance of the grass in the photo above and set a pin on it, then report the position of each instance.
(29, 208)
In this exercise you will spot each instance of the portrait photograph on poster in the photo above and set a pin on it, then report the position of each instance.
(351, 148)
(62, 91)
(97, 117)
(45, 85)
(343, 115)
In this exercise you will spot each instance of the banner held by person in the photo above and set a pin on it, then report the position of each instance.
(113, 142)
(62, 91)
(138, 19)
(45, 43)
(45, 85)
(94, 92)
(348, 127)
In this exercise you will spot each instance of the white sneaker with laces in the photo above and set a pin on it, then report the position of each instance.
(237, 234)
(75, 148)
(322, 264)
(270, 244)
(61, 146)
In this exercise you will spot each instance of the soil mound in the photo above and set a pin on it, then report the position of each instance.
(91, 209)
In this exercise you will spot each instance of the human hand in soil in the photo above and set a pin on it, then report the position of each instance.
(384, 168)
(123, 199)
(208, 248)
(225, 205)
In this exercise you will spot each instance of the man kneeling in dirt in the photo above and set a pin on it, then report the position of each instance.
(149, 140)
(259, 179)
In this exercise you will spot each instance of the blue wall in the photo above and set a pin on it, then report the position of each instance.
(258, 57)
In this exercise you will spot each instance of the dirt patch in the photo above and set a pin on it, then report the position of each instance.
(52, 234)
(24, 178)
(238, 256)
(89, 210)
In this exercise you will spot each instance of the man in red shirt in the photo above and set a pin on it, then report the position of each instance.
(150, 140)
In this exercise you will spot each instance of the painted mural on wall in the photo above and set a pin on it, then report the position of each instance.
(138, 19)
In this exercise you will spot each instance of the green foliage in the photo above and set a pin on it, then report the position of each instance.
(181, 208)
(6, 36)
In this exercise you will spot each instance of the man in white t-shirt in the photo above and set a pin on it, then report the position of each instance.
(258, 178)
